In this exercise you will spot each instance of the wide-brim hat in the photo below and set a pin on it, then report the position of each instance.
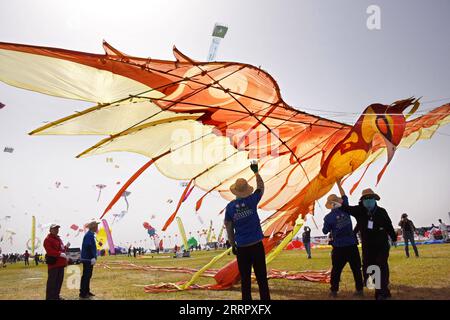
(369, 194)
(241, 188)
(332, 198)
(92, 222)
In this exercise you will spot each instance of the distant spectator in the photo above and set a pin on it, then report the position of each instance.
(306, 239)
(444, 231)
(408, 230)
(56, 261)
(26, 257)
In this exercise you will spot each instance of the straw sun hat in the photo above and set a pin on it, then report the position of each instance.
(241, 188)
(369, 194)
(332, 198)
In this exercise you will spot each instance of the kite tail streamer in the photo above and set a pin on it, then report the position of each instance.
(202, 270)
(172, 216)
(285, 242)
(200, 201)
(183, 233)
(99, 193)
(109, 236)
(360, 179)
(131, 180)
(381, 173)
(189, 192)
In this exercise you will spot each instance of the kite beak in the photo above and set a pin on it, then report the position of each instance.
(390, 148)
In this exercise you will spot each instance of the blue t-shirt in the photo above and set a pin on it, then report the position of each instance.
(338, 222)
(243, 213)
(89, 247)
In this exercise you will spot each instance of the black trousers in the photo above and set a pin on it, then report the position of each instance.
(409, 237)
(339, 258)
(86, 278)
(378, 256)
(247, 257)
(54, 283)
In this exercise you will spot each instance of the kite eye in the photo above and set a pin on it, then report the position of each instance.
(383, 126)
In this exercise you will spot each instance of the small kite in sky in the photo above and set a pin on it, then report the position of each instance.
(2, 105)
(8, 149)
(125, 194)
(100, 187)
(119, 216)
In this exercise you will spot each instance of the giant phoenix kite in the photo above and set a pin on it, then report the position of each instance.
(231, 112)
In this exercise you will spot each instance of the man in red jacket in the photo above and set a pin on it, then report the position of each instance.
(56, 261)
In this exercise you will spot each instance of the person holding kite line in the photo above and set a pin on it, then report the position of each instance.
(245, 234)
(345, 244)
(375, 227)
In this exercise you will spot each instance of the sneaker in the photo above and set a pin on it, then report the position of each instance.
(61, 298)
(91, 294)
(86, 296)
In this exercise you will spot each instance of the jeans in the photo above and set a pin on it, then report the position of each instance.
(410, 237)
(86, 278)
(339, 257)
(247, 257)
(308, 248)
(54, 283)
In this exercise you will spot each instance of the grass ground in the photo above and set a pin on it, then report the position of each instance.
(425, 278)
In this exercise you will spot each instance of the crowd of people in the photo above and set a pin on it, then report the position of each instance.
(12, 258)
(373, 230)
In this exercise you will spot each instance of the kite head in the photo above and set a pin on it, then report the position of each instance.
(389, 122)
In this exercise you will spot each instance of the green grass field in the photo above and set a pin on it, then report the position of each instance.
(427, 277)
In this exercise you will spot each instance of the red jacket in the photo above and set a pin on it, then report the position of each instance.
(54, 247)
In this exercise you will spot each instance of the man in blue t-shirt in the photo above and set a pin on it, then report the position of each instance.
(345, 245)
(245, 234)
